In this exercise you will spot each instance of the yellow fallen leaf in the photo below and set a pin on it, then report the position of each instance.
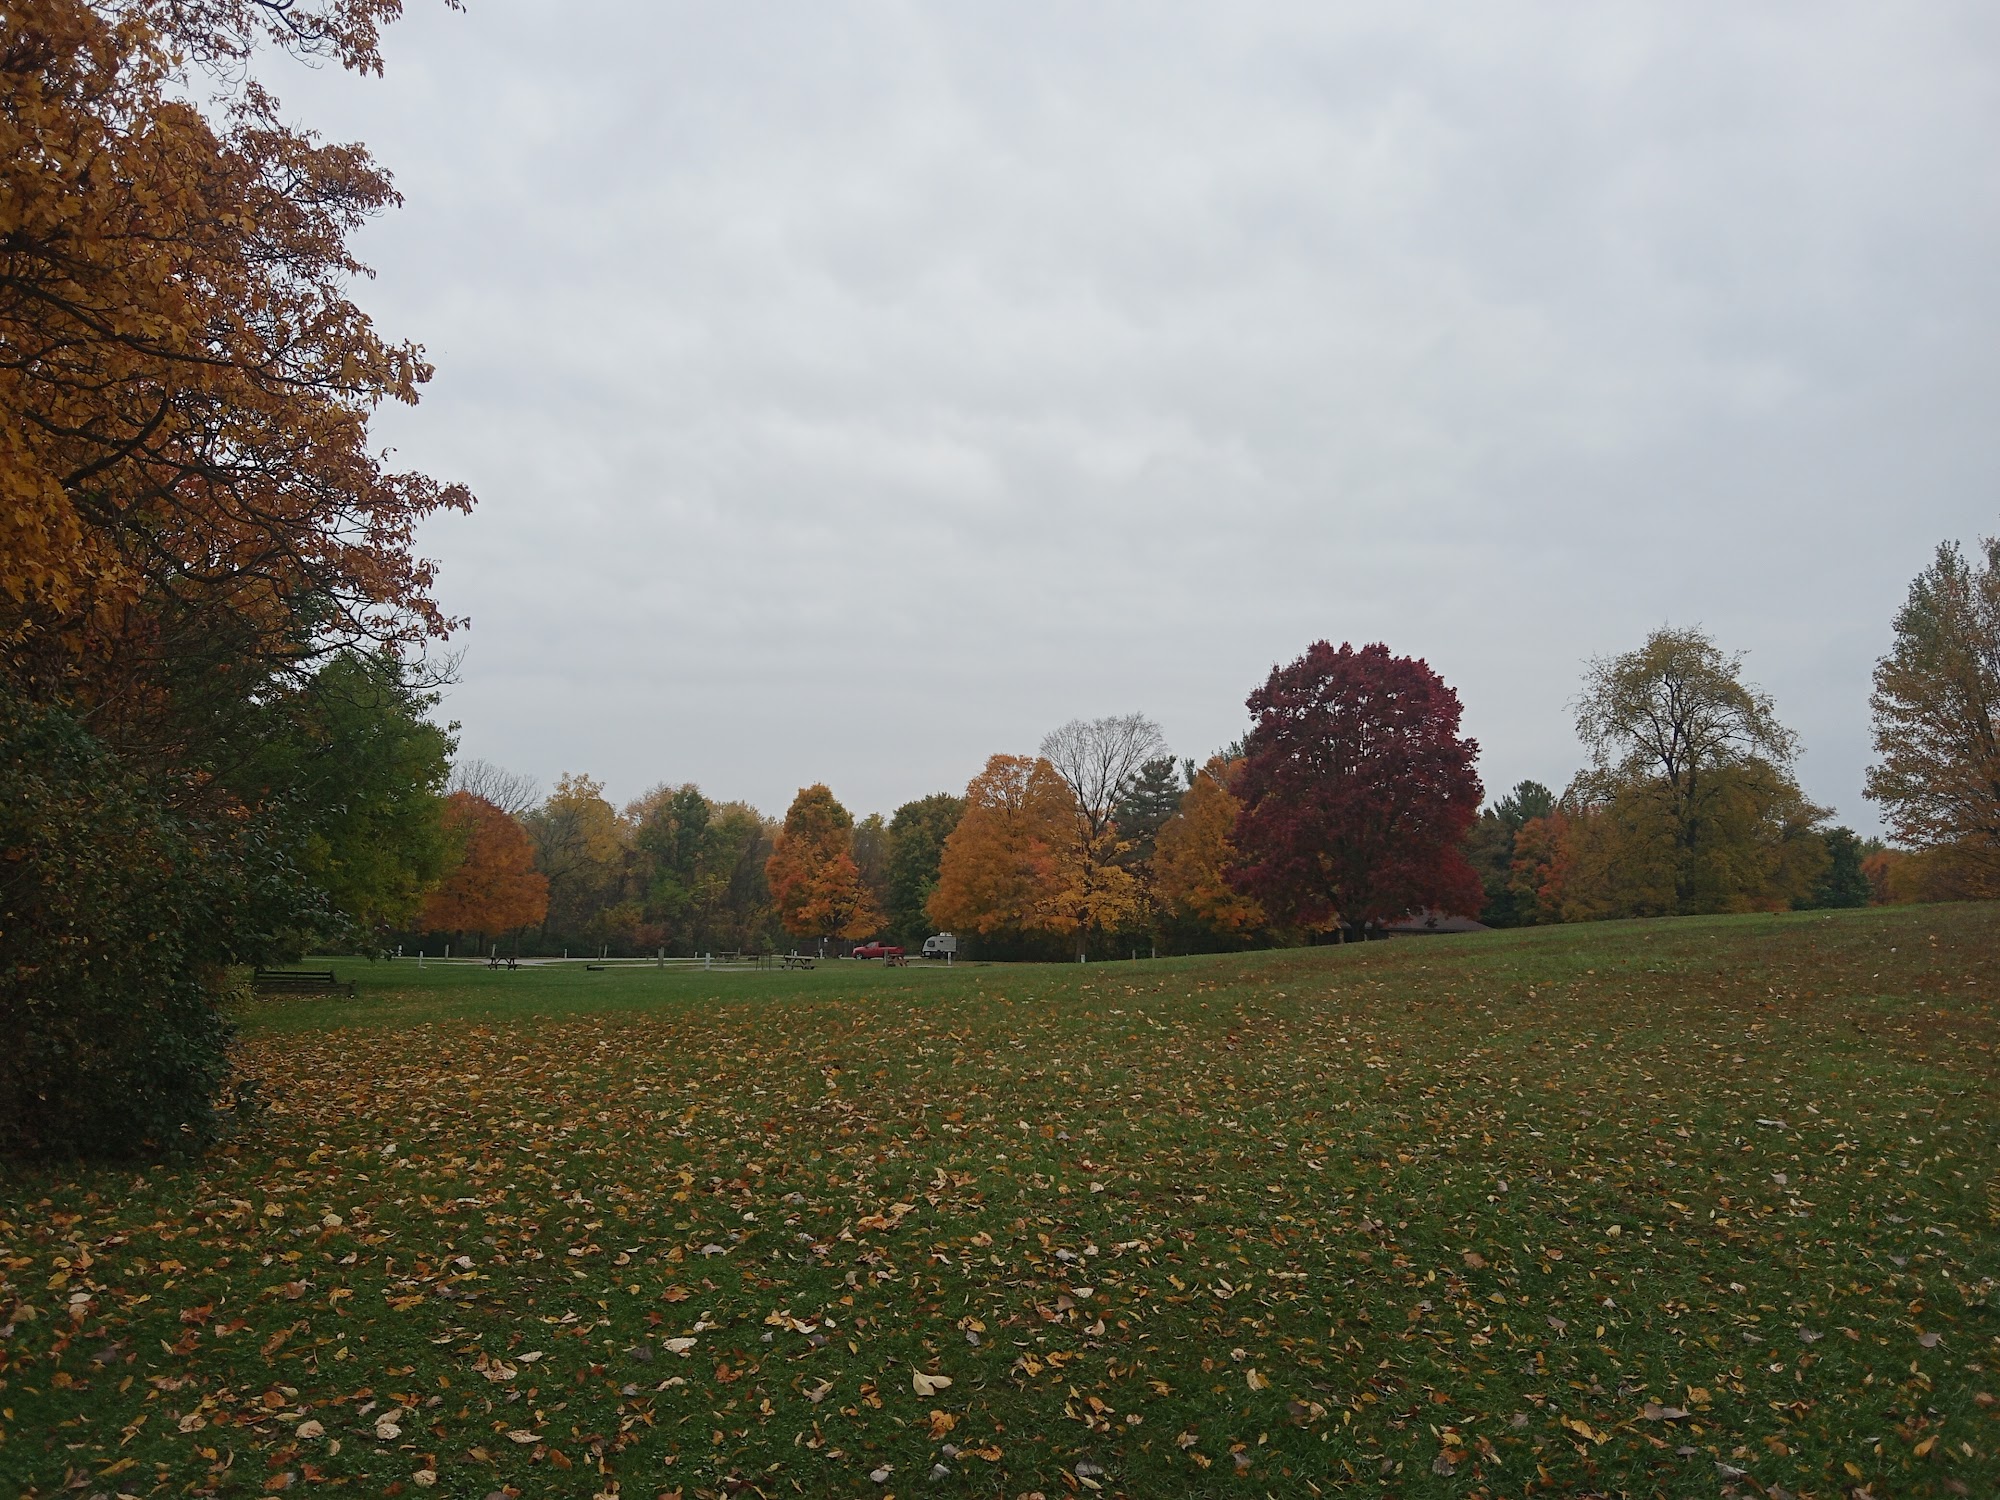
(523, 1436)
(1255, 1379)
(925, 1385)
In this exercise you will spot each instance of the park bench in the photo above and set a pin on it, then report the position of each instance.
(298, 982)
(797, 961)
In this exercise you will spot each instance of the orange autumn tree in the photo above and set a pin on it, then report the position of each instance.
(189, 498)
(815, 882)
(999, 865)
(1539, 874)
(495, 886)
(1194, 853)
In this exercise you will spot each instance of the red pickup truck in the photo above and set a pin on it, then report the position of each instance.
(878, 950)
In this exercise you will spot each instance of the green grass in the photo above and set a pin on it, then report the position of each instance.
(1432, 1218)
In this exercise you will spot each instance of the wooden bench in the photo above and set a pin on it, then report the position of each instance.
(298, 982)
(797, 961)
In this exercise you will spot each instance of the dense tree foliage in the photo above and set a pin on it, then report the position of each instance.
(815, 883)
(1357, 790)
(1937, 717)
(1490, 846)
(998, 864)
(118, 917)
(917, 834)
(352, 769)
(580, 850)
(493, 886)
(1689, 804)
(1192, 858)
(209, 597)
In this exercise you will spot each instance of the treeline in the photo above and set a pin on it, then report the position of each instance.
(1351, 804)
(1351, 807)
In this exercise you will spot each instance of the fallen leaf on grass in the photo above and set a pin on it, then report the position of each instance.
(925, 1385)
(522, 1436)
(1654, 1412)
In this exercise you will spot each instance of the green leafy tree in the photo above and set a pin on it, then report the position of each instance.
(354, 773)
(1842, 883)
(672, 839)
(1150, 797)
(119, 914)
(917, 834)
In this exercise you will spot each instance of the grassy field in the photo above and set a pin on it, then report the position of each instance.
(1674, 1208)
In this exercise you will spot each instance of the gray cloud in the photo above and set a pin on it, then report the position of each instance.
(854, 390)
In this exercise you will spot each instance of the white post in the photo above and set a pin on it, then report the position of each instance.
(420, 958)
(447, 950)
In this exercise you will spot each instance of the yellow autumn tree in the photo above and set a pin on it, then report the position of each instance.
(1192, 857)
(999, 863)
(1092, 889)
(815, 883)
(580, 848)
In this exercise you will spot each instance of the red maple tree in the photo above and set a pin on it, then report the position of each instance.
(1357, 790)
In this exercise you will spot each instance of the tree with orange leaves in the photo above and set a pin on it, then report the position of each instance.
(187, 487)
(1194, 854)
(814, 880)
(1538, 877)
(999, 867)
(495, 886)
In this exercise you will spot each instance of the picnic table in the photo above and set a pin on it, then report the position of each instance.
(798, 961)
(896, 961)
(503, 963)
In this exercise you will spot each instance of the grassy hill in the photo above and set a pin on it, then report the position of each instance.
(1648, 1208)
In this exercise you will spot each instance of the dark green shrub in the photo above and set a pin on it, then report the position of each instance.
(112, 944)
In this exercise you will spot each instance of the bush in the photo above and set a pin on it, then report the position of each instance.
(112, 945)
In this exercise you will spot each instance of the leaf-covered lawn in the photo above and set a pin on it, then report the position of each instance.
(1669, 1208)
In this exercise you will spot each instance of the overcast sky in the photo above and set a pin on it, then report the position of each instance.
(855, 390)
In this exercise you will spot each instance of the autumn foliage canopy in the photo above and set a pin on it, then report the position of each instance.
(1356, 791)
(495, 886)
